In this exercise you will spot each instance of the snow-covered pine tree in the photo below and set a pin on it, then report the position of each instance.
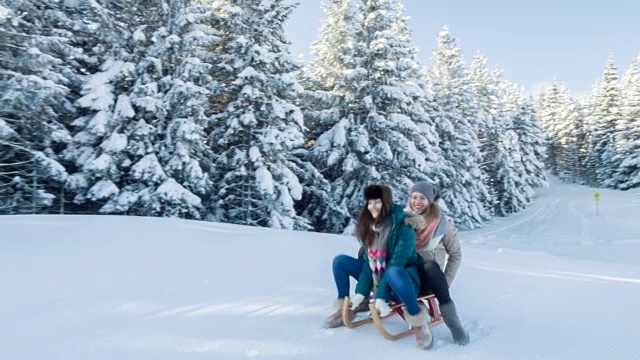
(93, 26)
(101, 152)
(426, 106)
(34, 80)
(589, 165)
(333, 50)
(548, 108)
(580, 138)
(628, 135)
(97, 153)
(512, 189)
(179, 66)
(570, 136)
(257, 125)
(563, 120)
(464, 188)
(139, 147)
(322, 105)
(384, 134)
(583, 131)
(487, 98)
(606, 116)
(530, 136)
(333, 45)
(316, 204)
(502, 162)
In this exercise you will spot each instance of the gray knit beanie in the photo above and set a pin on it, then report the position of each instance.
(429, 191)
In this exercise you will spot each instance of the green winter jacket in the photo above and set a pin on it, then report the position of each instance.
(401, 252)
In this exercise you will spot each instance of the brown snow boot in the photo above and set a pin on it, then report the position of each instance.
(420, 327)
(450, 317)
(335, 320)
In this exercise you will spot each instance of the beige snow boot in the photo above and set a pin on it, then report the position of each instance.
(420, 327)
(335, 320)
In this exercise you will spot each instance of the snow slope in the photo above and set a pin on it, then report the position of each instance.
(556, 281)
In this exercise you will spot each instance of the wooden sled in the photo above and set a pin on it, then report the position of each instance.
(358, 323)
(396, 309)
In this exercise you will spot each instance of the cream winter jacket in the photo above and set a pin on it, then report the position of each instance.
(443, 242)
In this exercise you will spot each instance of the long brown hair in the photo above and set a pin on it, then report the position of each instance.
(364, 229)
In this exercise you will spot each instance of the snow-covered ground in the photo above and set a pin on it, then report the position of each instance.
(556, 281)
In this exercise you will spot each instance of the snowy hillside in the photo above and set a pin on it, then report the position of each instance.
(556, 281)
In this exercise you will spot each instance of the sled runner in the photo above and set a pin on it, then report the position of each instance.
(396, 309)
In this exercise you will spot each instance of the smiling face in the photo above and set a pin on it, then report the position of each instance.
(374, 206)
(418, 202)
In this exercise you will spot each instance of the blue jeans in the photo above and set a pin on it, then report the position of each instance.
(343, 267)
(403, 289)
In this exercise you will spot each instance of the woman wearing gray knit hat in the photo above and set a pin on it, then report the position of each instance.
(438, 240)
(437, 237)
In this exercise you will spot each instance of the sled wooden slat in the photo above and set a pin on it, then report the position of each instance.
(396, 309)
(378, 321)
(358, 323)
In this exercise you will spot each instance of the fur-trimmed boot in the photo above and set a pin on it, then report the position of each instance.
(335, 320)
(421, 329)
(450, 317)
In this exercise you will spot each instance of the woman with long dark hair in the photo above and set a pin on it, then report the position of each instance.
(390, 266)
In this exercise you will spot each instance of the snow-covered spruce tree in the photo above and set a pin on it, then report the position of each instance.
(384, 133)
(628, 134)
(332, 48)
(511, 186)
(580, 138)
(323, 101)
(464, 188)
(322, 105)
(97, 153)
(502, 162)
(563, 120)
(141, 147)
(316, 204)
(582, 131)
(530, 137)
(514, 192)
(94, 27)
(487, 98)
(570, 136)
(34, 109)
(100, 153)
(549, 107)
(178, 65)
(606, 116)
(490, 122)
(425, 110)
(589, 165)
(257, 125)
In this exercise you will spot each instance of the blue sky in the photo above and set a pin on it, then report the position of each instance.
(533, 42)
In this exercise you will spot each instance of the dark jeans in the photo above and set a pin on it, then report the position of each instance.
(432, 281)
(404, 289)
